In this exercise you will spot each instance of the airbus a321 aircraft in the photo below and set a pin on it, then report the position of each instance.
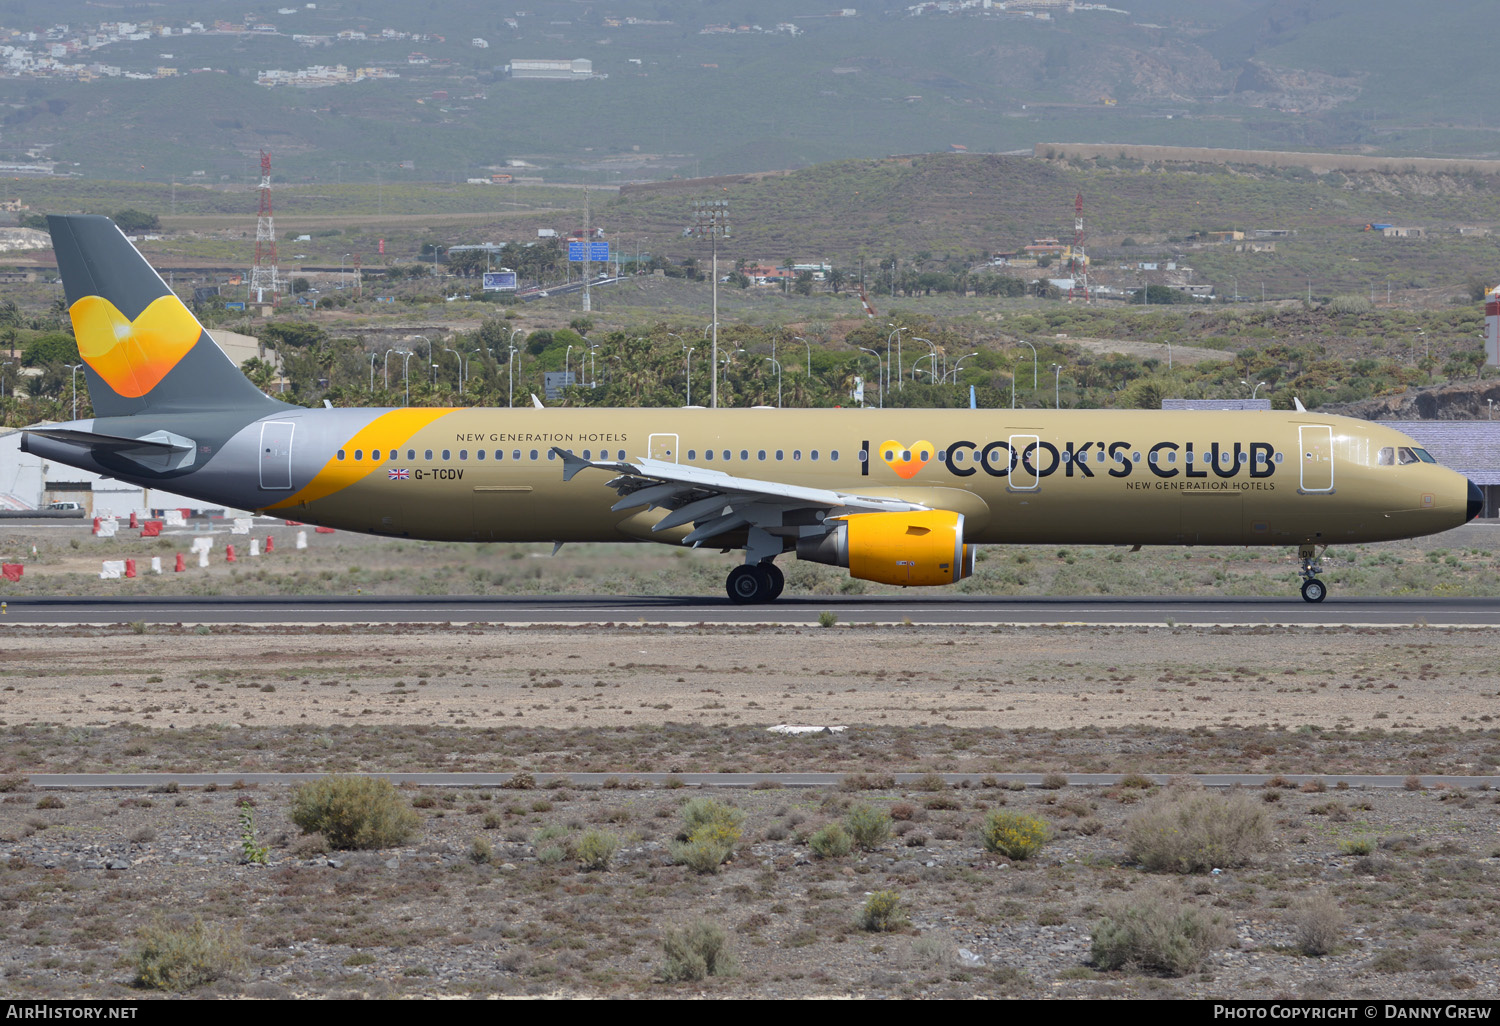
(901, 497)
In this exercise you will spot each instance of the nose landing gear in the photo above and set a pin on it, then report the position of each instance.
(1313, 590)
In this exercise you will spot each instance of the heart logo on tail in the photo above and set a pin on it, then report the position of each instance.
(906, 460)
(133, 356)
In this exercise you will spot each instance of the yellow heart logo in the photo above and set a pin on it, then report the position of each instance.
(133, 356)
(906, 460)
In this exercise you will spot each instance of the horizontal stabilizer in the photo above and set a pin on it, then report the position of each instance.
(112, 443)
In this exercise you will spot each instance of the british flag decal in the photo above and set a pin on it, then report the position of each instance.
(398, 475)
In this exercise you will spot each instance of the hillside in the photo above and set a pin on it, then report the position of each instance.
(701, 87)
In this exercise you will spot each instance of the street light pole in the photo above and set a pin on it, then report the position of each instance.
(878, 374)
(372, 373)
(1028, 345)
(511, 361)
(772, 359)
(689, 373)
(406, 374)
(1057, 386)
(957, 364)
(74, 377)
(712, 219)
(460, 360)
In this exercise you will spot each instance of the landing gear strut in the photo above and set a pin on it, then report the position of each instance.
(755, 584)
(1313, 590)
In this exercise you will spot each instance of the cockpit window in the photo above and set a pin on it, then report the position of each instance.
(1387, 457)
(1424, 455)
(1405, 455)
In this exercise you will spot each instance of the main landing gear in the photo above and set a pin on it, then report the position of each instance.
(754, 584)
(1313, 590)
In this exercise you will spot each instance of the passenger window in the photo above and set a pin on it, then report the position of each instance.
(1226, 458)
(745, 455)
(445, 455)
(1244, 458)
(479, 454)
(1152, 457)
(797, 454)
(359, 454)
(375, 455)
(1066, 456)
(761, 455)
(1171, 456)
(863, 456)
(778, 455)
(551, 455)
(727, 455)
(411, 454)
(533, 454)
(1099, 457)
(1278, 457)
(341, 454)
(958, 456)
(463, 454)
(1135, 457)
(517, 455)
(692, 455)
(429, 454)
(834, 455)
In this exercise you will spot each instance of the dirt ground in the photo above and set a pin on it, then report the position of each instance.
(1052, 678)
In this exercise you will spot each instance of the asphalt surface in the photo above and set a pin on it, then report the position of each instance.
(365, 609)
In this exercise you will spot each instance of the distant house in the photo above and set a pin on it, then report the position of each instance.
(1397, 232)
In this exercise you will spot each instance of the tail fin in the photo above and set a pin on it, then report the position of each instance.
(142, 348)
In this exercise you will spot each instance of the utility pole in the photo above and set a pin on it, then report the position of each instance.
(711, 219)
(588, 239)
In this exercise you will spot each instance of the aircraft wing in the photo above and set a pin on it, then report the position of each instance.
(716, 503)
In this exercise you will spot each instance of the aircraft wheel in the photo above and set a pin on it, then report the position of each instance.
(778, 580)
(1314, 590)
(748, 585)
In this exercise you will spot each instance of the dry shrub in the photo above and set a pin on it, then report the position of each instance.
(831, 842)
(1014, 834)
(1196, 831)
(1319, 925)
(354, 812)
(698, 951)
(711, 830)
(1159, 932)
(868, 826)
(882, 913)
(173, 957)
(596, 849)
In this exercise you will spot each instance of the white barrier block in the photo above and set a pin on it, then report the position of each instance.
(301, 539)
(203, 557)
(173, 518)
(254, 546)
(107, 528)
(242, 525)
(113, 570)
(156, 564)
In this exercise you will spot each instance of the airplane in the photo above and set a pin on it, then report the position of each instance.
(901, 497)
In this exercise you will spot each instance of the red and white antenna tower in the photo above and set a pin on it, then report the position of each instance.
(263, 276)
(1080, 258)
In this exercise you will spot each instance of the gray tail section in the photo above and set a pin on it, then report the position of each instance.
(161, 363)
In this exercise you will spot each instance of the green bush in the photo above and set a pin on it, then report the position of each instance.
(868, 826)
(882, 913)
(354, 812)
(179, 958)
(831, 842)
(698, 951)
(1196, 831)
(710, 832)
(596, 849)
(1159, 933)
(1319, 925)
(1014, 834)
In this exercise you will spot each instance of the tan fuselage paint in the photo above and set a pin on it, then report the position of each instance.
(1326, 486)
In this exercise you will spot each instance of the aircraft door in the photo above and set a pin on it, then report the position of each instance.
(276, 454)
(1316, 457)
(663, 447)
(1023, 463)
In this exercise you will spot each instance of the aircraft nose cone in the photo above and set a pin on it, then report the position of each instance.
(1476, 500)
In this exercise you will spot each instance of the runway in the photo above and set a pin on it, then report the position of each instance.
(798, 610)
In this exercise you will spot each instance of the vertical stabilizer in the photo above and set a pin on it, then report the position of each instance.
(142, 349)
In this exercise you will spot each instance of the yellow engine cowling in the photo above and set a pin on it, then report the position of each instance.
(916, 549)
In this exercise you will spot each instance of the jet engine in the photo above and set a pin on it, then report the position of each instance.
(920, 548)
